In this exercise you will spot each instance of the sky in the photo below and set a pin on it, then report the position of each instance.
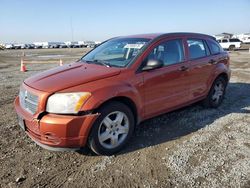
(26, 21)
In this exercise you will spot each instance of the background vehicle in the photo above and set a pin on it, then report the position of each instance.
(230, 44)
(9, 46)
(92, 102)
(38, 46)
(23, 46)
(62, 45)
(74, 45)
(54, 44)
(90, 44)
(30, 46)
(246, 40)
(2, 47)
(17, 46)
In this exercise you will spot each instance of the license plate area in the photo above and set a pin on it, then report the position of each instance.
(21, 123)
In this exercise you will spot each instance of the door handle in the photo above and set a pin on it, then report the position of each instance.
(212, 61)
(183, 68)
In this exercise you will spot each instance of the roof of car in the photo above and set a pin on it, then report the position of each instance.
(155, 35)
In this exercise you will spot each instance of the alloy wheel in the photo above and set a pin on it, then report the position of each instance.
(218, 92)
(113, 130)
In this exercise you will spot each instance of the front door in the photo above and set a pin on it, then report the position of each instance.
(166, 87)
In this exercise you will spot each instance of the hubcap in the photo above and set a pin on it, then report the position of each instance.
(218, 92)
(113, 129)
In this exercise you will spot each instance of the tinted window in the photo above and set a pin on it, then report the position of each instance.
(170, 52)
(234, 40)
(196, 48)
(214, 47)
(224, 40)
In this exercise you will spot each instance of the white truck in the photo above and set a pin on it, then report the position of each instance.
(246, 40)
(230, 44)
(9, 46)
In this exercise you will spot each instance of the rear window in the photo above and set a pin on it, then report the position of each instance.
(197, 48)
(214, 47)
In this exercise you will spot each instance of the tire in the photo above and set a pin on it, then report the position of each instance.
(231, 48)
(216, 93)
(112, 129)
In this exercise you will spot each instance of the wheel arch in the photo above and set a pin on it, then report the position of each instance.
(232, 47)
(125, 100)
(223, 75)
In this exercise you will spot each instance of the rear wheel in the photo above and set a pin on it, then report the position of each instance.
(112, 129)
(231, 48)
(216, 93)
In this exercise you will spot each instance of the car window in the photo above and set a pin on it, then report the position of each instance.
(170, 52)
(234, 40)
(197, 48)
(224, 40)
(117, 52)
(214, 47)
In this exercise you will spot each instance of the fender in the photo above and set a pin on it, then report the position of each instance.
(122, 89)
(113, 87)
(221, 68)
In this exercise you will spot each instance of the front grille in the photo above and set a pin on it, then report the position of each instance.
(28, 101)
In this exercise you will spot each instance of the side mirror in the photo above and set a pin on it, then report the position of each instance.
(152, 64)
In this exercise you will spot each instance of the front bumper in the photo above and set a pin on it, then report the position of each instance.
(57, 132)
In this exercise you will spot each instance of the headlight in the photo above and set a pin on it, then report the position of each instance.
(66, 103)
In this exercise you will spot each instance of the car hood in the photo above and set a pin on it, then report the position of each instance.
(70, 75)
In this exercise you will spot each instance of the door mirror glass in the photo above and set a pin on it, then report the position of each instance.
(152, 64)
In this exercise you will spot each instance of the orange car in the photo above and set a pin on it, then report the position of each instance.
(98, 100)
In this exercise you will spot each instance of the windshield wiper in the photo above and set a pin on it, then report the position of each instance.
(100, 62)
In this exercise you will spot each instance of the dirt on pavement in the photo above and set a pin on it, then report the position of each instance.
(191, 147)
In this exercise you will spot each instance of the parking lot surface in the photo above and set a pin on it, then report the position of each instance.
(193, 146)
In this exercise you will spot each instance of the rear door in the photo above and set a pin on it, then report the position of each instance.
(217, 54)
(201, 67)
(224, 43)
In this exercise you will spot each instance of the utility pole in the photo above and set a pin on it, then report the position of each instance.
(72, 30)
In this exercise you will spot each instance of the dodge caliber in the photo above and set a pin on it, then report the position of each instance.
(98, 100)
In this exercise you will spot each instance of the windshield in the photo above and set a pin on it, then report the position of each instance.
(116, 52)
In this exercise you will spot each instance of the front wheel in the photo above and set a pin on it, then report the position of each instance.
(216, 93)
(112, 129)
